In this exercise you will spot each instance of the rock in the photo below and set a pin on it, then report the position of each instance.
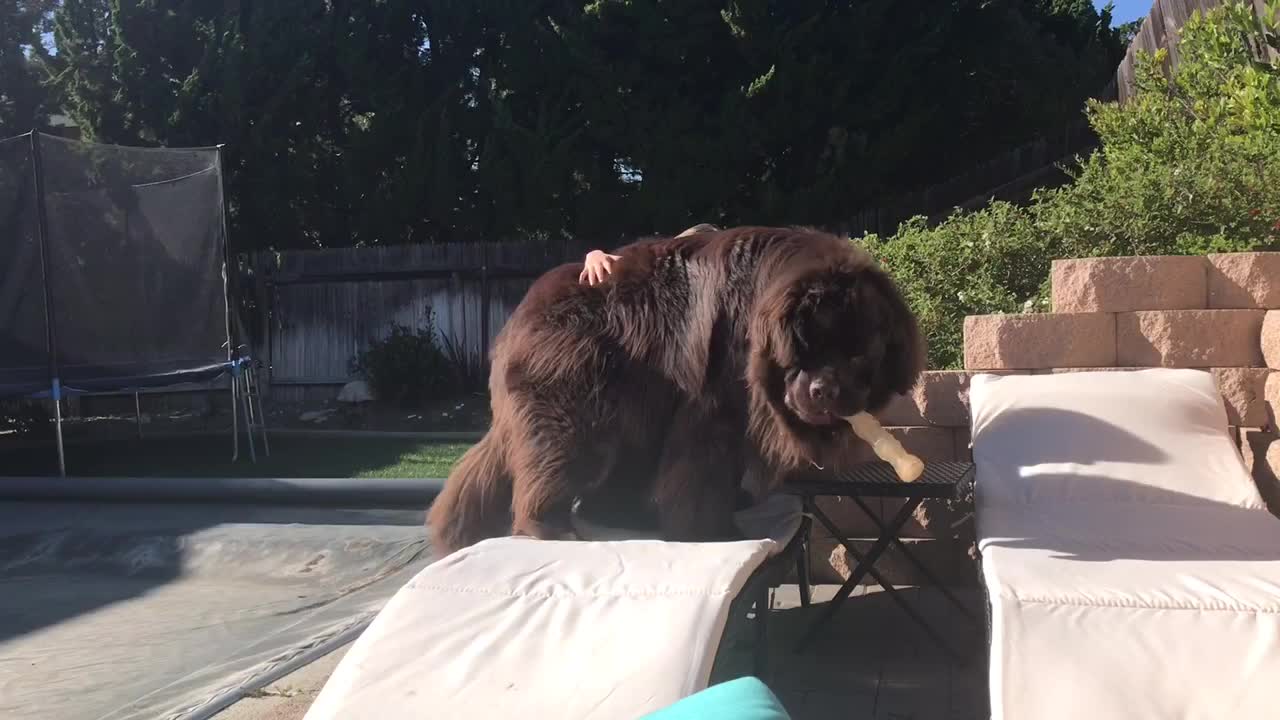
(315, 416)
(356, 391)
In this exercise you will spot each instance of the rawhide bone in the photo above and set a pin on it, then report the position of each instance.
(886, 446)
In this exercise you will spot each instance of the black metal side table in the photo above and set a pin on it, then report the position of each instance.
(946, 480)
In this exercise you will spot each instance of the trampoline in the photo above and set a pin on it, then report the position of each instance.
(113, 275)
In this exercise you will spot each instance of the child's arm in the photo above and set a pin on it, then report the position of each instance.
(598, 264)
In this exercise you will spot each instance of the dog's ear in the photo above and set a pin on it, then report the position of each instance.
(771, 331)
(905, 353)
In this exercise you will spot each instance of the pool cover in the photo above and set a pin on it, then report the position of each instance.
(123, 611)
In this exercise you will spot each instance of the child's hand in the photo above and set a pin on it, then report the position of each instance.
(598, 264)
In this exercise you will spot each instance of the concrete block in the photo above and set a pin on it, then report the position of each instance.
(1261, 451)
(902, 410)
(1271, 401)
(946, 560)
(1271, 339)
(1124, 284)
(1055, 371)
(964, 452)
(1034, 341)
(941, 398)
(1244, 280)
(1244, 392)
(847, 516)
(1189, 338)
(927, 443)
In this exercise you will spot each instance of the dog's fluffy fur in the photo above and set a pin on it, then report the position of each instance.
(704, 357)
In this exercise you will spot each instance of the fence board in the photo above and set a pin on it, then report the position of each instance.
(326, 305)
(1160, 30)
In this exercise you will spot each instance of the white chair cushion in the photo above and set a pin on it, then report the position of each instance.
(531, 629)
(1131, 566)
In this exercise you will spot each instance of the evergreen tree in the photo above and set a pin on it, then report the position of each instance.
(25, 102)
(407, 121)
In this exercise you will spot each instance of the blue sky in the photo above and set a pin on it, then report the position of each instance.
(1126, 10)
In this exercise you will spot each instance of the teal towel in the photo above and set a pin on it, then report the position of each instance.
(745, 698)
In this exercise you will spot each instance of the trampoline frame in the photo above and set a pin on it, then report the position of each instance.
(245, 397)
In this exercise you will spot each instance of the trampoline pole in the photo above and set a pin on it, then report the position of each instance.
(51, 333)
(248, 422)
(137, 413)
(235, 416)
(57, 420)
(227, 313)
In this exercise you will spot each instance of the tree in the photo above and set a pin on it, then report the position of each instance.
(401, 121)
(1189, 164)
(25, 102)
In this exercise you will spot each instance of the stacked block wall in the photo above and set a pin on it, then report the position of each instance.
(1220, 313)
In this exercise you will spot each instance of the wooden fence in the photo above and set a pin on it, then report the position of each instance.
(1010, 175)
(318, 308)
(1160, 30)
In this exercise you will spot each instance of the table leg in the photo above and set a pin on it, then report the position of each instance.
(865, 566)
(910, 611)
(762, 633)
(856, 575)
(928, 575)
(802, 559)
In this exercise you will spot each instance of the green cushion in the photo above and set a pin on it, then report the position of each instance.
(745, 698)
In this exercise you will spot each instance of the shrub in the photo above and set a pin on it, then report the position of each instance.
(1192, 163)
(470, 367)
(1189, 164)
(975, 263)
(407, 368)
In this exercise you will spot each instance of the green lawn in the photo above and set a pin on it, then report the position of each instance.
(210, 456)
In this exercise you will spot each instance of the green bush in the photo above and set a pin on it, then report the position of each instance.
(407, 368)
(972, 264)
(1189, 164)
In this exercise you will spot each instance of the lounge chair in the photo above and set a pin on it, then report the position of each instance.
(1131, 567)
(515, 627)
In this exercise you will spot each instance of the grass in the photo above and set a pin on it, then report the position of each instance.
(210, 456)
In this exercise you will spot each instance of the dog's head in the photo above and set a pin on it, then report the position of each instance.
(831, 336)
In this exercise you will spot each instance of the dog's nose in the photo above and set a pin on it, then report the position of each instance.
(822, 390)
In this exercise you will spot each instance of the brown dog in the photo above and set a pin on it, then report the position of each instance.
(702, 357)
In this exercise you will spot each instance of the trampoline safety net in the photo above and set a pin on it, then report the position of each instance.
(125, 286)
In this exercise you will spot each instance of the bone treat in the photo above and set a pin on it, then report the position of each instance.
(886, 446)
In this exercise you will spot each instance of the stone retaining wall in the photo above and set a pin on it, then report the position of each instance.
(1220, 313)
